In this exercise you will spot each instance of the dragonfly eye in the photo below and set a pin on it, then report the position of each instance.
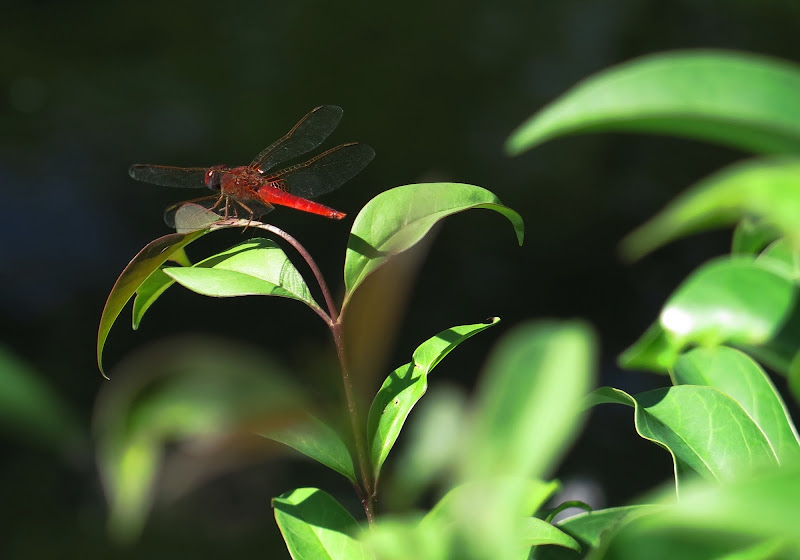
(213, 178)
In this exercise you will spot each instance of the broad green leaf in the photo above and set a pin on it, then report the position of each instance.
(530, 399)
(403, 538)
(728, 300)
(591, 528)
(752, 518)
(751, 236)
(145, 263)
(32, 411)
(397, 219)
(316, 527)
(197, 391)
(782, 252)
(406, 385)
(738, 376)
(317, 440)
(431, 445)
(767, 188)
(793, 377)
(257, 266)
(491, 518)
(536, 532)
(737, 99)
(149, 291)
(703, 429)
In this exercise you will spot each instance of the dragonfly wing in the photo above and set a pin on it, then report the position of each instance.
(310, 132)
(168, 176)
(325, 172)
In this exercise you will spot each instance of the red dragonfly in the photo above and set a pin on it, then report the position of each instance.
(250, 191)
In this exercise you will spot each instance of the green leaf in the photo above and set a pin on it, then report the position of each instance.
(733, 300)
(397, 219)
(592, 528)
(768, 188)
(752, 518)
(737, 99)
(317, 440)
(703, 429)
(149, 291)
(530, 398)
(195, 391)
(782, 252)
(145, 263)
(254, 267)
(491, 518)
(738, 376)
(316, 527)
(32, 411)
(406, 385)
(751, 236)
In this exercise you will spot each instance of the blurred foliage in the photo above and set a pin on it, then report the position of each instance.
(435, 88)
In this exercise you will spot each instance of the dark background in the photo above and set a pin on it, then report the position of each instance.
(435, 88)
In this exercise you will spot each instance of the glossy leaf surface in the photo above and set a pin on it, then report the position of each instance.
(703, 429)
(738, 99)
(254, 267)
(406, 385)
(735, 301)
(741, 378)
(767, 188)
(316, 527)
(397, 219)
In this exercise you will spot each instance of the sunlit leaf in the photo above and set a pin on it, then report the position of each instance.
(703, 429)
(591, 528)
(145, 263)
(257, 266)
(198, 391)
(737, 99)
(728, 300)
(491, 518)
(741, 378)
(768, 188)
(316, 527)
(752, 518)
(406, 385)
(396, 219)
(317, 440)
(530, 398)
(430, 446)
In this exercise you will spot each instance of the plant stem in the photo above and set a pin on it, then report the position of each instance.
(368, 499)
(368, 495)
(323, 286)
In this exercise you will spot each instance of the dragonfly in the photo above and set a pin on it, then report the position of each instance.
(250, 191)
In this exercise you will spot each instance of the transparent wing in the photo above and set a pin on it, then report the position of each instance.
(324, 172)
(310, 132)
(168, 176)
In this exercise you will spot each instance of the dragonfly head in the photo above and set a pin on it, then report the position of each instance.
(213, 178)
